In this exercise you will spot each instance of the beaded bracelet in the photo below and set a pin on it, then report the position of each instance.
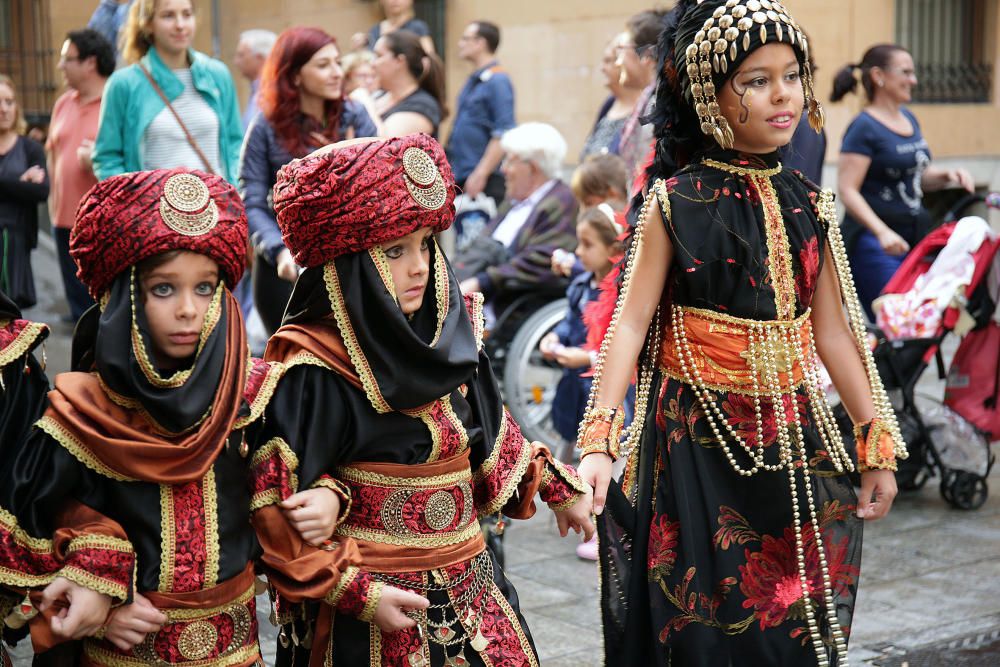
(876, 448)
(602, 432)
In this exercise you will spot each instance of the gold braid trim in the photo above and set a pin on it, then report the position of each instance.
(513, 479)
(560, 469)
(778, 249)
(275, 372)
(25, 340)
(437, 434)
(422, 541)
(211, 502)
(354, 350)
(103, 542)
(105, 658)
(743, 171)
(306, 359)
(374, 595)
(441, 292)
(381, 263)
(349, 574)
(93, 582)
(285, 453)
(75, 446)
(478, 319)
(10, 524)
(168, 539)
(132, 404)
(369, 478)
(827, 213)
(185, 615)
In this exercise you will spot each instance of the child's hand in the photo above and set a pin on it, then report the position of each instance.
(878, 489)
(577, 518)
(390, 612)
(573, 357)
(313, 513)
(547, 346)
(84, 612)
(129, 625)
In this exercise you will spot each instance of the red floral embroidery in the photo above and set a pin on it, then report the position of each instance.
(355, 596)
(743, 418)
(272, 473)
(451, 438)
(770, 579)
(367, 502)
(806, 277)
(558, 490)
(663, 538)
(191, 551)
(487, 489)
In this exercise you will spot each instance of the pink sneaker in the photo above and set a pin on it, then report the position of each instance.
(587, 550)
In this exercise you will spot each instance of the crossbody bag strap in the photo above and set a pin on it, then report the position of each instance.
(187, 133)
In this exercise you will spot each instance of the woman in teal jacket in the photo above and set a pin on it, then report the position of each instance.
(137, 130)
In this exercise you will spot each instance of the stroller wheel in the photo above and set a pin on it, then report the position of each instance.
(964, 490)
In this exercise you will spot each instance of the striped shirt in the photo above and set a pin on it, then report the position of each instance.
(164, 145)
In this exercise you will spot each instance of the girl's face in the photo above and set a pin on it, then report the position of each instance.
(173, 25)
(8, 108)
(362, 76)
(322, 76)
(898, 78)
(387, 64)
(763, 99)
(175, 297)
(592, 251)
(409, 260)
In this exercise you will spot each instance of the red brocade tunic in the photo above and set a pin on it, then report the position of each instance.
(416, 483)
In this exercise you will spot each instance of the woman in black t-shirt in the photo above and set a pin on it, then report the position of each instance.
(399, 15)
(412, 98)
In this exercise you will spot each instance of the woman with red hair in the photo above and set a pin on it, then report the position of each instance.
(302, 109)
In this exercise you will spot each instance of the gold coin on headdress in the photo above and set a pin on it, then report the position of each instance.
(186, 193)
(187, 207)
(419, 166)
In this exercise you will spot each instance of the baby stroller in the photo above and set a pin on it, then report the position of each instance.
(940, 288)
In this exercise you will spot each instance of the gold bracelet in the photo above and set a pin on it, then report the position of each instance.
(601, 432)
(876, 449)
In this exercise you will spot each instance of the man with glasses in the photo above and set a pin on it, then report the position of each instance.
(485, 110)
(86, 62)
(636, 50)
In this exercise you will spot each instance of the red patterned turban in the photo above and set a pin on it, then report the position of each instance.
(357, 194)
(131, 217)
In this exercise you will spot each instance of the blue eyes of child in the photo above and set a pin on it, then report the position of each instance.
(166, 289)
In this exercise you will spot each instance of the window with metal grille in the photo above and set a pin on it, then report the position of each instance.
(5, 24)
(26, 56)
(948, 40)
(431, 12)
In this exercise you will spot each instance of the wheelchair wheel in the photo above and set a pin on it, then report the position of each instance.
(529, 380)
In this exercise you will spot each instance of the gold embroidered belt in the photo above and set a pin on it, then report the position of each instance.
(214, 627)
(726, 353)
(408, 518)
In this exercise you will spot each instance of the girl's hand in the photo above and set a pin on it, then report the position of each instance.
(878, 489)
(577, 517)
(34, 174)
(595, 469)
(892, 243)
(313, 513)
(84, 612)
(390, 612)
(128, 626)
(547, 345)
(573, 357)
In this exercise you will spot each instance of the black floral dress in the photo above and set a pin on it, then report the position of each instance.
(702, 566)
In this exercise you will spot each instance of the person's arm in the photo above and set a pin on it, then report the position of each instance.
(229, 114)
(32, 186)
(838, 349)
(109, 147)
(937, 178)
(255, 186)
(851, 172)
(104, 20)
(501, 108)
(405, 122)
(651, 264)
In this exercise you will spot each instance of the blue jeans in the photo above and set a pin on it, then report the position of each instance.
(872, 267)
(76, 294)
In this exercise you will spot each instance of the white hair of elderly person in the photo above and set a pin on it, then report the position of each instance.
(537, 143)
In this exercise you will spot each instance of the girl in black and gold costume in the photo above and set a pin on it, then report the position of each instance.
(389, 398)
(737, 540)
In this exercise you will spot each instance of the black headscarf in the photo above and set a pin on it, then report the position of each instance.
(104, 341)
(410, 367)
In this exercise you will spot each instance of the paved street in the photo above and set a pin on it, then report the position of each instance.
(930, 574)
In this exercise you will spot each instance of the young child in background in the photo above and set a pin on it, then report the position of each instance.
(597, 233)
